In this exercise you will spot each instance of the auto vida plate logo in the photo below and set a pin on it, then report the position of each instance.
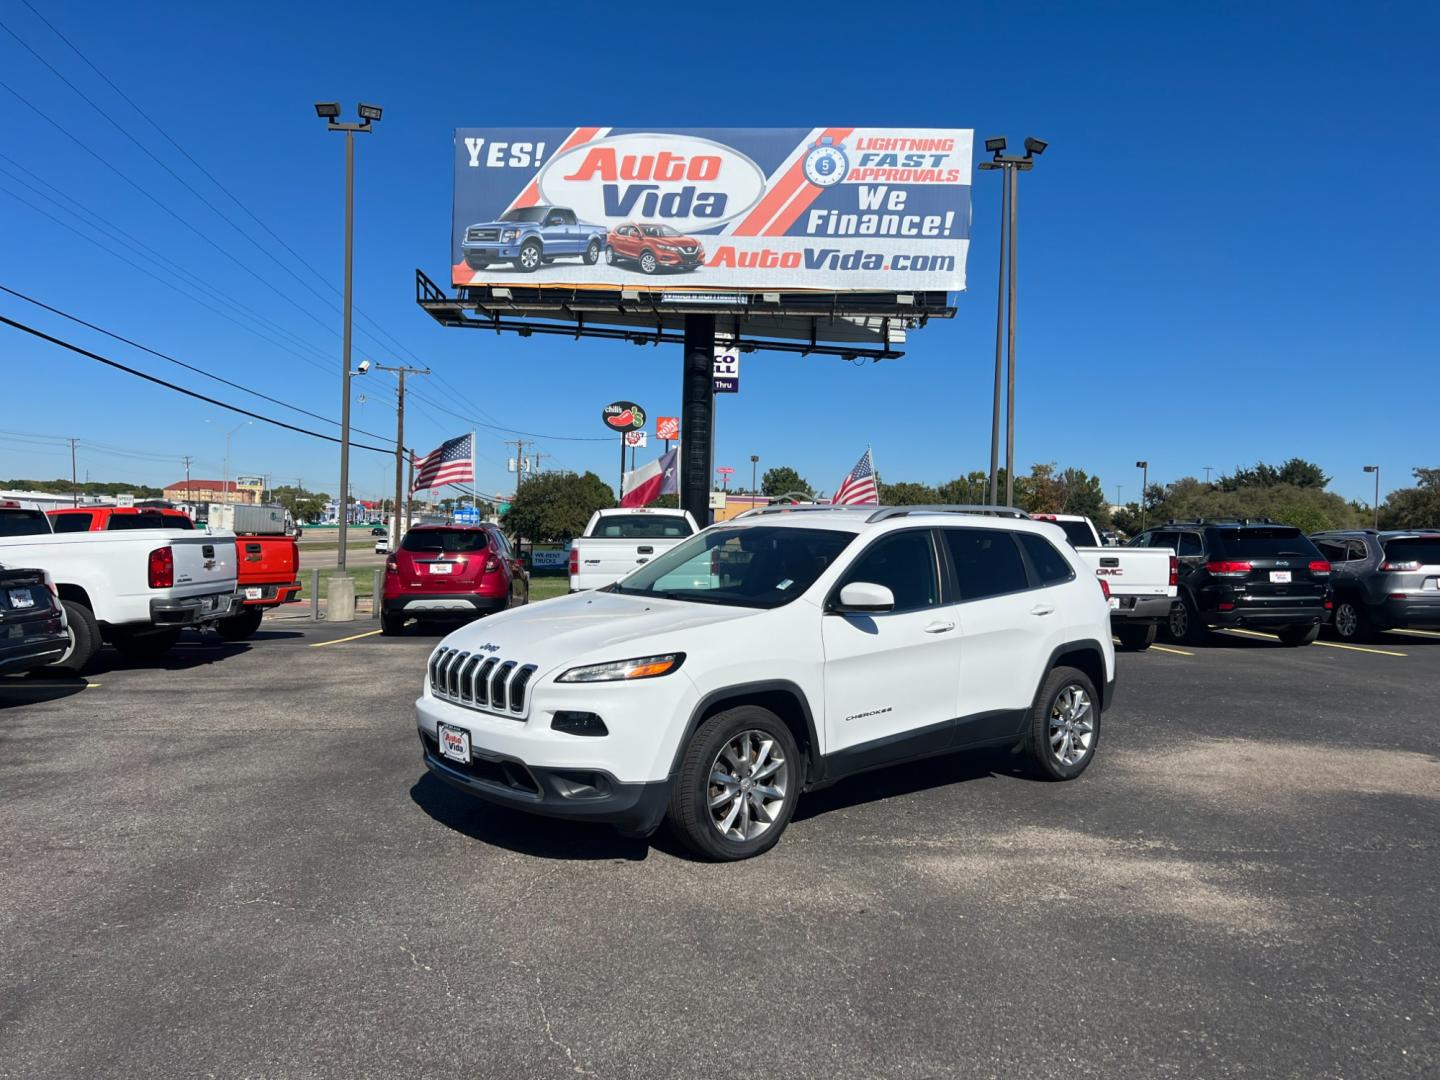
(683, 181)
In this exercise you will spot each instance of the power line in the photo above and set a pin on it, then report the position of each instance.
(205, 172)
(181, 363)
(180, 389)
(515, 431)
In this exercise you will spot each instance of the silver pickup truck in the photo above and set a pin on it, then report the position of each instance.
(615, 542)
(1142, 581)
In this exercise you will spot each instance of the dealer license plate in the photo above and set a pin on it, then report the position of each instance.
(207, 603)
(1280, 577)
(1430, 584)
(1114, 602)
(254, 592)
(454, 743)
(21, 598)
(440, 568)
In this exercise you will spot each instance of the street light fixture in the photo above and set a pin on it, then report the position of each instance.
(1376, 504)
(1005, 327)
(329, 111)
(1144, 467)
(754, 461)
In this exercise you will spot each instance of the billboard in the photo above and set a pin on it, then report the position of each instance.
(838, 209)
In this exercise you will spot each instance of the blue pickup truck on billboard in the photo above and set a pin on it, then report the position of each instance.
(833, 209)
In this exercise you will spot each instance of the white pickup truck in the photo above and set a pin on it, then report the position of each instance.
(615, 542)
(1142, 581)
(134, 589)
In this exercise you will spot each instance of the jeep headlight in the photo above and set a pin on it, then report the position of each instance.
(642, 667)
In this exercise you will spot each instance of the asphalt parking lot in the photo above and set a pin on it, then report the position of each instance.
(236, 866)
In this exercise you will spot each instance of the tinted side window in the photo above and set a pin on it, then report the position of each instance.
(987, 562)
(70, 522)
(1165, 539)
(1358, 550)
(23, 523)
(1189, 545)
(904, 564)
(1048, 563)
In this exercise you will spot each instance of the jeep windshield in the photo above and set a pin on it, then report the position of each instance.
(759, 566)
(525, 213)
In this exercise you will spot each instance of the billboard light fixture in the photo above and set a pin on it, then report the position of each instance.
(372, 112)
(327, 110)
(1034, 147)
(995, 146)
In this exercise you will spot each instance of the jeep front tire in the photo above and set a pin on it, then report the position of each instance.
(740, 776)
(1064, 727)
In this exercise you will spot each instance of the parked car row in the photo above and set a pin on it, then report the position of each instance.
(134, 577)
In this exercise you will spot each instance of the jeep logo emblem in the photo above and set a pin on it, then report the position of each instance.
(487, 647)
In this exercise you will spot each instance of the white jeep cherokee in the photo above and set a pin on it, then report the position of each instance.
(773, 654)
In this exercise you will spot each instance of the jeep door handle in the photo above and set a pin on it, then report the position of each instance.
(1042, 609)
(939, 628)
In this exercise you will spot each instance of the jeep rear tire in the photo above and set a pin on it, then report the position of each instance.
(1064, 727)
(1351, 621)
(739, 779)
(1292, 636)
(530, 257)
(1184, 623)
(1136, 638)
(85, 633)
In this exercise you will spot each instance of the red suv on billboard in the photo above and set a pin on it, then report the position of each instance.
(652, 247)
(451, 572)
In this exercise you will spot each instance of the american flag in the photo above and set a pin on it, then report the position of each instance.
(859, 485)
(453, 462)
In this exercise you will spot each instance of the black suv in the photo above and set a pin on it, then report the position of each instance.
(1382, 580)
(1244, 574)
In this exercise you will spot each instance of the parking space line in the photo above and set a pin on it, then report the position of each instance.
(342, 640)
(1166, 648)
(28, 685)
(1327, 644)
(1419, 633)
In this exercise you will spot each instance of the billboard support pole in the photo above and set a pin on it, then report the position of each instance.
(620, 488)
(994, 499)
(697, 407)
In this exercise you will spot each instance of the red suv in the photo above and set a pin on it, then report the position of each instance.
(455, 572)
(652, 247)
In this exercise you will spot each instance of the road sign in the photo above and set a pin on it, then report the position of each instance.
(725, 470)
(635, 438)
(667, 428)
(467, 515)
(727, 371)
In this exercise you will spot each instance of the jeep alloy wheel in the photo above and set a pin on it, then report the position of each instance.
(1072, 726)
(748, 781)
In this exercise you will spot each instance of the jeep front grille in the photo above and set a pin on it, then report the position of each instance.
(476, 681)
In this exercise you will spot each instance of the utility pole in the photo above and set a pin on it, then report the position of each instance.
(1208, 469)
(395, 512)
(186, 459)
(520, 463)
(74, 484)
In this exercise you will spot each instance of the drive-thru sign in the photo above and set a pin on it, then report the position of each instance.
(727, 371)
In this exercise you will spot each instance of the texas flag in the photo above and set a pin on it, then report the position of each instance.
(644, 485)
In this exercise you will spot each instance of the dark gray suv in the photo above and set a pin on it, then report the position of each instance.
(1382, 580)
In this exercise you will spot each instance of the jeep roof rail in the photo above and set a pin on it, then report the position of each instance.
(791, 508)
(887, 512)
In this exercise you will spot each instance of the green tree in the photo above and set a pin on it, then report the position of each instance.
(969, 490)
(303, 505)
(1413, 507)
(555, 506)
(85, 487)
(1083, 494)
(907, 493)
(783, 479)
(1296, 472)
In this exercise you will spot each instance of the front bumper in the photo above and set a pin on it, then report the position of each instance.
(443, 605)
(488, 253)
(190, 610)
(676, 258)
(1141, 609)
(572, 794)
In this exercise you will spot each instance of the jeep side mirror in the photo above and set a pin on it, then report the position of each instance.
(864, 597)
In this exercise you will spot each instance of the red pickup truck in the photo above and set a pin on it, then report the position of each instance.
(266, 566)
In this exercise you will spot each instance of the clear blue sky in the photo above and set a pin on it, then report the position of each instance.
(1227, 254)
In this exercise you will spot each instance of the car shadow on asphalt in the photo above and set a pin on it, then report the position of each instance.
(37, 687)
(186, 655)
(528, 834)
(894, 781)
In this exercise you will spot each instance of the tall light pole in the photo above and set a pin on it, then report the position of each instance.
(225, 487)
(329, 111)
(1208, 469)
(754, 463)
(1144, 467)
(1010, 166)
(1376, 504)
(396, 514)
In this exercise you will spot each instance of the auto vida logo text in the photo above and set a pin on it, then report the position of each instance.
(684, 181)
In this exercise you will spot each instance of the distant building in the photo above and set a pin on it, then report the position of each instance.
(208, 491)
